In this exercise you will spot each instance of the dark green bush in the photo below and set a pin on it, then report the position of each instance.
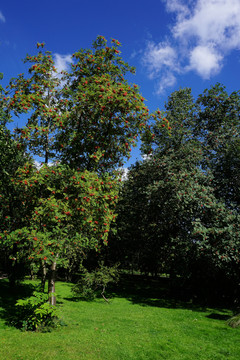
(94, 283)
(35, 313)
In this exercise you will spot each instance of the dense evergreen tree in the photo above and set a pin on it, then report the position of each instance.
(174, 216)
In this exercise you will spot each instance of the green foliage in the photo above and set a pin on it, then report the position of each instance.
(65, 209)
(175, 206)
(10, 207)
(218, 126)
(88, 117)
(35, 313)
(234, 322)
(92, 283)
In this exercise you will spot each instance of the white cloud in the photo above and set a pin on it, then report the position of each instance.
(2, 17)
(158, 56)
(123, 172)
(167, 80)
(37, 164)
(40, 164)
(146, 157)
(161, 61)
(205, 61)
(177, 6)
(62, 62)
(202, 35)
(212, 21)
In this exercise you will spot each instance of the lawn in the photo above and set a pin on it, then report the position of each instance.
(142, 322)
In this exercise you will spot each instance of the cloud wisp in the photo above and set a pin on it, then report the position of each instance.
(62, 62)
(2, 17)
(202, 35)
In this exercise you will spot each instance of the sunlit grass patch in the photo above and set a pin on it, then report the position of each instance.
(130, 327)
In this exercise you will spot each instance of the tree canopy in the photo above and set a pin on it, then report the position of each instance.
(82, 124)
(178, 211)
(179, 206)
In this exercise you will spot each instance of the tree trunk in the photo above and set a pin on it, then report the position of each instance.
(102, 293)
(51, 284)
(32, 274)
(44, 276)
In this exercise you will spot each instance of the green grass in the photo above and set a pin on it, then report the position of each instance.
(142, 322)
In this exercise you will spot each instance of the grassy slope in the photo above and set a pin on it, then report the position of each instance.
(133, 327)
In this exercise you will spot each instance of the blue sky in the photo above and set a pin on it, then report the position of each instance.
(172, 43)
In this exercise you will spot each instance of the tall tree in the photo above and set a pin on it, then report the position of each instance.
(218, 126)
(178, 220)
(11, 157)
(88, 119)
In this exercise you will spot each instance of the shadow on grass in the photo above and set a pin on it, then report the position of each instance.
(218, 316)
(144, 291)
(160, 292)
(8, 297)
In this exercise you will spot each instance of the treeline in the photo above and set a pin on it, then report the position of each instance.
(178, 212)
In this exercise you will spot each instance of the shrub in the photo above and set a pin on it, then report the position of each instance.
(95, 282)
(35, 313)
(234, 321)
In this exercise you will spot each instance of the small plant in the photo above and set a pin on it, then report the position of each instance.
(95, 282)
(234, 321)
(35, 313)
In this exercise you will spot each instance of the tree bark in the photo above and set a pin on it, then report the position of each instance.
(51, 284)
(44, 276)
(102, 293)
